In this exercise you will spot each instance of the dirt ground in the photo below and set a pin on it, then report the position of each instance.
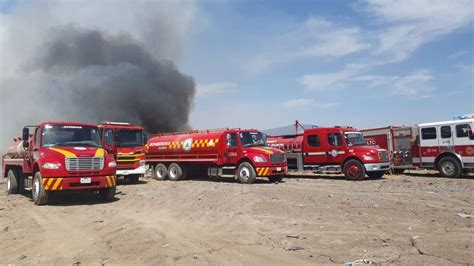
(401, 219)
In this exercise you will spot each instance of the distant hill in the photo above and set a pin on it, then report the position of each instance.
(286, 130)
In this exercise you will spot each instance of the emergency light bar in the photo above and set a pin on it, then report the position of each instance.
(115, 123)
(462, 117)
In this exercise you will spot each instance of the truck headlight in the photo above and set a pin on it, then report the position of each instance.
(112, 164)
(51, 166)
(368, 158)
(259, 159)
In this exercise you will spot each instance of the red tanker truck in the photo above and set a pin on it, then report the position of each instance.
(126, 141)
(59, 156)
(236, 153)
(332, 150)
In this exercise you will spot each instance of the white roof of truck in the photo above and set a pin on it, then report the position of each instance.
(451, 122)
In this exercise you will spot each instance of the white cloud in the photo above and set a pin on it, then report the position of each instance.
(315, 38)
(414, 23)
(216, 88)
(308, 103)
(416, 84)
(327, 81)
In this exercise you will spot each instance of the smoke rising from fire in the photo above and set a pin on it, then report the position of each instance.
(113, 61)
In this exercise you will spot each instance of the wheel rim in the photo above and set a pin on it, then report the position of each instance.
(354, 170)
(448, 168)
(159, 172)
(9, 184)
(173, 172)
(36, 188)
(244, 172)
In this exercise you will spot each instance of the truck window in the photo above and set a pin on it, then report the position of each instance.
(109, 137)
(334, 139)
(446, 132)
(232, 140)
(37, 137)
(428, 133)
(313, 141)
(463, 131)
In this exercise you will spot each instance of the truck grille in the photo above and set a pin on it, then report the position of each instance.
(383, 155)
(277, 158)
(84, 163)
(127, 158)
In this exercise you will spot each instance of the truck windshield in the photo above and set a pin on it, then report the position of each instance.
(254, 139)
(70, 135)
(130, 138)
(354, 139)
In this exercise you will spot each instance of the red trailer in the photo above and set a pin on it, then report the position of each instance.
(59, 156)
(332, 150)
(236, 153)
(446, 146)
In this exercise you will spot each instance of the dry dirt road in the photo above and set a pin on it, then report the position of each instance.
(400, 219)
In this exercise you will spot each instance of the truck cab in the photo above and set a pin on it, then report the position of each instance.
(333, 150)
(126, 142)
(58, 156)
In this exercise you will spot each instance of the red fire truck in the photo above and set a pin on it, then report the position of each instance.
(126, 142)
(447, 146)
(59, 156)
(235, 153)
(332, 150)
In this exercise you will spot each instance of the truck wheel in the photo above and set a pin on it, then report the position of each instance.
(246, 174)
(107, 194)
(12, 182)
(160, 172)
(175, 173)
(39, 194)
(376, 174)
(133, 179)
(275, 178)
(354, 170)
(449, 167)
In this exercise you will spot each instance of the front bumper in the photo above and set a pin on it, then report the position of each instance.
(371, 167)
(141, 170)
(271, 171)
(78, 183)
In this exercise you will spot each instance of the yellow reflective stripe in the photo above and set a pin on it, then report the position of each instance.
(58, 181)
(63, 152)
(266, 171)
(264, 150)
(99, 153)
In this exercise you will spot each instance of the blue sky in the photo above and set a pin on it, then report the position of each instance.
(367, 64)
(264, 64)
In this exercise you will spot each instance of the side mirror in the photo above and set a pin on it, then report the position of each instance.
(26, 137)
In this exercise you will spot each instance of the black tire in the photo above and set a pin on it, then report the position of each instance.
(375, 174)
(354, 170)
(246, 173)
(449, 167)
(21, 181)
(107, 194)
(12, 182)
(133, 179)
(38, 193)
(175, 172)
(160, 172)
(275, 178)
(398, 171)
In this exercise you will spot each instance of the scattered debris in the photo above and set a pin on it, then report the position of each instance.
(386, 242)
(195, 256)
(294, 248)
(357, 262)
(293, 236)
(165, 245)
(98, 221)
(464, 215)
(22, 257)
(6, 228)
